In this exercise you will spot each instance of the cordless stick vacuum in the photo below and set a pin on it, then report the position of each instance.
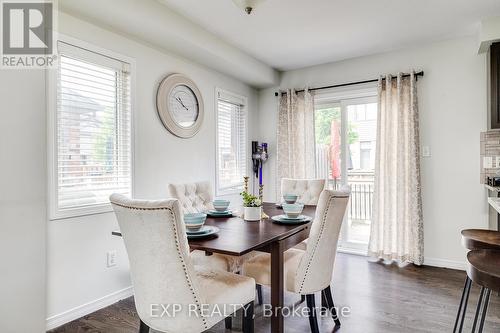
(259, 156)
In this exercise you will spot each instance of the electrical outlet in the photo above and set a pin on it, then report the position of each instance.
(111, 258)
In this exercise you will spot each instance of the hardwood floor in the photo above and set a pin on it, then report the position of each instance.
(381, 298)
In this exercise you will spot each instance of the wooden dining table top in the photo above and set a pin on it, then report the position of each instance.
(237, 236)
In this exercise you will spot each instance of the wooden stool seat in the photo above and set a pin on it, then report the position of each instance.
(477, 239)
(474, 239)
(483, 268)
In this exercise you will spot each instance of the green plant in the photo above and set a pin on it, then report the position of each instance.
(250, 200)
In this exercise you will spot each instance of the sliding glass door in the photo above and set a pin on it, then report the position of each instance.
(345, 128)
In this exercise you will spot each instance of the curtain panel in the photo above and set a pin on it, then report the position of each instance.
(397, 225)
(295, 138)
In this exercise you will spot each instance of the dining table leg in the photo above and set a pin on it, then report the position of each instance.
(277, 287)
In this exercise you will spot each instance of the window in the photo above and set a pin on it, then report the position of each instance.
(346, 128)
(231, 143)
(91, 155)
(365, 149)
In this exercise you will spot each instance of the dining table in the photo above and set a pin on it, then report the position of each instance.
(237, 237)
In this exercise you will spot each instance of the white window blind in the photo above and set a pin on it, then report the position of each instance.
(93, 131)
(231, 143)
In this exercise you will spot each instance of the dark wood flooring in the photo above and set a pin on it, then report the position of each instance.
(382, 299)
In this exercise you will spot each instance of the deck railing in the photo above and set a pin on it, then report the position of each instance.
(361, 183)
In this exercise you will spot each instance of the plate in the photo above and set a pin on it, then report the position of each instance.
(202, 230)
(284, 220)
(211, 230)
(214, 213)
(285, 217)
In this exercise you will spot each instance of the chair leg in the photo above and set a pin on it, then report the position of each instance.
(313, 318)
(259, 293)
(462, 308)
(485, 310)
(248, 318)
(143, 328)
(478, 309)
(324, 302)
(228, 322)
(327, 292)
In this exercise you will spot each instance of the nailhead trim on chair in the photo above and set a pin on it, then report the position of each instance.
(177, 245)
(316, 245)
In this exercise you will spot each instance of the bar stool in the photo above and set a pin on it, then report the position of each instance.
(474, 239)
(483, 268)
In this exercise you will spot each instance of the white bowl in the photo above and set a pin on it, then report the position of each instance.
(293, 210)
(221, 205)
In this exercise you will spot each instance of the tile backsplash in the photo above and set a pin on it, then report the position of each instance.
(490, 155)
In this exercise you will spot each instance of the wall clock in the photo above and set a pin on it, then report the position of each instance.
(180, 105)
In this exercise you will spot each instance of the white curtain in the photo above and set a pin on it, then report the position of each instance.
(397, 224)
(295, 137)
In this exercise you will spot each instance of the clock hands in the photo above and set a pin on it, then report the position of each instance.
(180, 101)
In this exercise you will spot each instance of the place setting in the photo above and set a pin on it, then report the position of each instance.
(195, 226)
(288, 198)
(221, 209)
(292, 211)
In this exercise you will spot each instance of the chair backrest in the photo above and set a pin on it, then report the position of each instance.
(308, 190)
(316, 267)
(161, 272)
(193, 197)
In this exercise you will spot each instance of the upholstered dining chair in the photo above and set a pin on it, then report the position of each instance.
(193, 197)
(197, 198)
(164, 277)
(310, 271)
(308, 190)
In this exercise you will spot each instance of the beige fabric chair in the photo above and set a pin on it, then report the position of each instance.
(197, 198)
(162, 271)
(308, 190)
(310, 271)
(193, 197)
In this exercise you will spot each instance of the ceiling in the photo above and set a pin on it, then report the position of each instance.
(290, 34)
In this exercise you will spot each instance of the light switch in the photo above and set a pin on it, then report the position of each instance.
(426, 151)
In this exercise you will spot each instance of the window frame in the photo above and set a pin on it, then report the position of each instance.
(51, 82)
(234, 190)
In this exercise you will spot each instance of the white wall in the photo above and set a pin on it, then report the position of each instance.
(22, 201)
(452, 98)
(76, 248)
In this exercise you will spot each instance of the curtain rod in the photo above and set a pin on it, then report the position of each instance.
(421, 73)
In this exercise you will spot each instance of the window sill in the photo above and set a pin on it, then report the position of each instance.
(63, 214)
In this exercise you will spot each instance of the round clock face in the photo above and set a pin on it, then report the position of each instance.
(183, 106)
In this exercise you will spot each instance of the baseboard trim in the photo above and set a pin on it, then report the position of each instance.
(85, 309)
(452, 264)
(434, 262)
